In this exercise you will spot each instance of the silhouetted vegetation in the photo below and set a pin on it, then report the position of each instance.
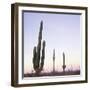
(38, 59)
(56, 73)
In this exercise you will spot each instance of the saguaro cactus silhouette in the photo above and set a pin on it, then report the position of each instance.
(63, 66)
(38, 54)
(54, 60)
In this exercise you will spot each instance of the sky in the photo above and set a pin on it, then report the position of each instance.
(61, 32)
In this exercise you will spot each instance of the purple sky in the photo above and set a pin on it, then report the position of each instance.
(60, 31)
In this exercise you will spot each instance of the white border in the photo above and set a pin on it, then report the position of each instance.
(50, 79)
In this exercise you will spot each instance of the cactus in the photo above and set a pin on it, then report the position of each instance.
(63, 66)
(38, 60)
(53, 60)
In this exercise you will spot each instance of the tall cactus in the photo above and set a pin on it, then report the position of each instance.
(63, 66)
(38, 59)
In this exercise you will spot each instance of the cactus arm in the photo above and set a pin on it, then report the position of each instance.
(34, 57)
(43, 55)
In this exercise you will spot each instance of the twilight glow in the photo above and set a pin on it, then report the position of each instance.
(61, 32)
